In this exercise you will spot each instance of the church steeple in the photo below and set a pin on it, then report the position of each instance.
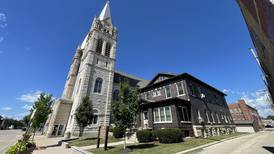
(105, 14)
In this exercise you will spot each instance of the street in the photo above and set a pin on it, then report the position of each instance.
(7, 138)
(258, 143)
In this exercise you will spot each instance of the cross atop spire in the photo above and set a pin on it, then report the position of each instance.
(105, 14)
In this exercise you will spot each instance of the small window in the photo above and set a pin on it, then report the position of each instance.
(199, 114)
(116, 95)
(147, 95)
(192, 90)
(99, 46)
(156, 92)
(98, 85)
(213, 119)
(168, 92)
(184, 115)
(108, 48)
(217, 115)
(106, 64)
(97, 61)
(180, 89)
(207, 117)
(95, 117)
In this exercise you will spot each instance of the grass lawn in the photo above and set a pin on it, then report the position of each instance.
(159, 148)
(91, 141)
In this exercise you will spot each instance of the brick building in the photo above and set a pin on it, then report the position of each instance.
(244, 114)
(185, 102)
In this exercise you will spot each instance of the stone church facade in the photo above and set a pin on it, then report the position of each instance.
(91, 74)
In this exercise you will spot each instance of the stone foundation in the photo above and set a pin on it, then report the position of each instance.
(208, 130)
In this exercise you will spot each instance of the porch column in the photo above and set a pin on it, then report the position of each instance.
(150, 118)
(175, 116)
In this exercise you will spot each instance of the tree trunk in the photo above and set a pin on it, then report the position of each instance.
(33, 134)
(81, 130)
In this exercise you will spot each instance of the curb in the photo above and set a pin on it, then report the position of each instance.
(199, 148)
(79, 150)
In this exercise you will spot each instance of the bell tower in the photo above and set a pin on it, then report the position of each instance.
(95, 72)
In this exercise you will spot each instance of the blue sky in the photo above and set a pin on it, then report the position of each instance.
(208, 39)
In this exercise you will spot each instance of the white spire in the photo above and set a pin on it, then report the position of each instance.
(105, 14)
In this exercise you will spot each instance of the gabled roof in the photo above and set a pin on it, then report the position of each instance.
(183, 75)
(142, 82)
(168, 75)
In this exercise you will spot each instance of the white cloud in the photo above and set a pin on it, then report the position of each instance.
(258, 99)
(27, 107)
(7, 108)
(30, 97)
(226, 91)
(3, 21)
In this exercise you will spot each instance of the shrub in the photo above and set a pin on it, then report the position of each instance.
(24, 147)
(144, 136)
(118, 132)
(171, 135)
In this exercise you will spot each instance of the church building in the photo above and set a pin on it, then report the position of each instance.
(91, 74)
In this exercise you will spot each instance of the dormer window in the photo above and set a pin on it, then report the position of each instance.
(168, 91)
(180, 89)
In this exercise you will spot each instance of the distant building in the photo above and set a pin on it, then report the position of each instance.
(268, 122)
(185, 102)
(246, 118)
(259, 17)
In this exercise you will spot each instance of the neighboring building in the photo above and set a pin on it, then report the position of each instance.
(91, 74)
(185, 102)
(245, 126)
(259, 17)
(246, 115)
(268, 122)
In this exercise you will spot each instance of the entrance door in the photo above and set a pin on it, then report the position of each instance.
(145, 117)
(57, 130)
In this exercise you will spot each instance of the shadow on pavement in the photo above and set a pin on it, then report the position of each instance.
(141, 146)
(270, 149)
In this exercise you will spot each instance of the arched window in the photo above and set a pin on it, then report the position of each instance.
(116, 95)
(98, 85)
(95, 117)
(99, 46)
(108, 48)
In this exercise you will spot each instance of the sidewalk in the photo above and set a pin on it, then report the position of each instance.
(49, 146)
(199, 148)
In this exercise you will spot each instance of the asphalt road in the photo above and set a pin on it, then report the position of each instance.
(258, 143)
(7, 138)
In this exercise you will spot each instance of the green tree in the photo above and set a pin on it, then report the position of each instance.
(125, 110)
(270, 117)
(26, 120)
(84, 114)
(42, 108)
